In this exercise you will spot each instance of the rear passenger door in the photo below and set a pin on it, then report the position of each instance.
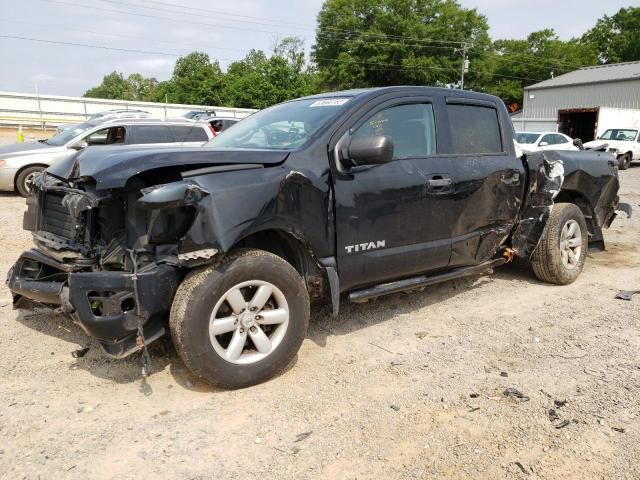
(150, 134)
(189, 135)
(488, 179)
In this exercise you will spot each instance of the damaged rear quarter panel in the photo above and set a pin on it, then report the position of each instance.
(587, 178)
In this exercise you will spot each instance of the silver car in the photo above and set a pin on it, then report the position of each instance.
(109, 115)
(19, 163)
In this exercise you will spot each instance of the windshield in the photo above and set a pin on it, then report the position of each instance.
(619, 134)
(527, 138)
(97, 115)
(284, 126)
(68, 135)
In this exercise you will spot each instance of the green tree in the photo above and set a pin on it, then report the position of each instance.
(113, 86)
(617, 38)
(140, 88)
(195, 80)
(518, 63)
(258, 81)
(365, 43)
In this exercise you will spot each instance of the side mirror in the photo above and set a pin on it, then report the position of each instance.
(543, 144)
(80, 145)
(371, 150)
(578, 143)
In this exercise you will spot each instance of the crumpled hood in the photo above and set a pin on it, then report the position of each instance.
(26, 148)
(111, 167)
(617, 144)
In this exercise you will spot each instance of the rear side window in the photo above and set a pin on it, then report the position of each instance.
(152, 134)
(411, 127)
(186, 133)
(474, 129)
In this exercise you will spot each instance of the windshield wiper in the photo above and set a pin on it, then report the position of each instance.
(43, 140)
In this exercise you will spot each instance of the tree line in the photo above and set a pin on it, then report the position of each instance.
(369, 43)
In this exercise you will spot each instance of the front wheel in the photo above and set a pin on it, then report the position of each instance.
(241, 321)
(624, 161)
(25, 178)
(560, 255)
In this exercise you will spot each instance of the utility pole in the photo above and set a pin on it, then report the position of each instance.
(465, 62)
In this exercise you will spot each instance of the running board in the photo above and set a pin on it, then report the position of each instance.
(422, 281)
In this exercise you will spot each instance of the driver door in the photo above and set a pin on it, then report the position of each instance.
(391, 219)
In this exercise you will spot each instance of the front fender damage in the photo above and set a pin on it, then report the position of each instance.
(545, 182)
(196, 246)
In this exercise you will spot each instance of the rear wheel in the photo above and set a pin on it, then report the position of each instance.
(624, 161)
(24, 181)
(560, 255)
(240, 322)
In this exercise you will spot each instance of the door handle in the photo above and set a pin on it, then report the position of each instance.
(439, 182)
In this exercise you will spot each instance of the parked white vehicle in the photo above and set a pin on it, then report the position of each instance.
(536, 141)
(624, 143)
(108, 115)
(19, 163)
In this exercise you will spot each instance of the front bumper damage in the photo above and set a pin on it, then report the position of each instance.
(111, 306)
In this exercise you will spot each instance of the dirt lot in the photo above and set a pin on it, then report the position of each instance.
(10, 135)
(410, 386)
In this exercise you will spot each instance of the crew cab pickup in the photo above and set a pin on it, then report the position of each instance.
(349, 195)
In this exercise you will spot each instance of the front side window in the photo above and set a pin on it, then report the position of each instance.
(145, 134)
(474, 129)
(411, 127)
(107, 136)
(547, 140)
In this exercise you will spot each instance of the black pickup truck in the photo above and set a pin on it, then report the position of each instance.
(352, 194)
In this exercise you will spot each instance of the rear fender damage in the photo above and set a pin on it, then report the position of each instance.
(545, 182)
(586, 179)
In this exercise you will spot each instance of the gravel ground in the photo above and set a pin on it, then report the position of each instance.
(10, 135)
(409, 386)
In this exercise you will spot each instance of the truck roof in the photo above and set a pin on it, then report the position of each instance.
(367, 92)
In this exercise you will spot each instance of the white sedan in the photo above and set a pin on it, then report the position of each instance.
(536, 141)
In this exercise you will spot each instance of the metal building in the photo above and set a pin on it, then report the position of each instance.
(584, 102)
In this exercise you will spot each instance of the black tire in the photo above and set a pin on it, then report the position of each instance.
(205, 287)
(547, 260)
(23, 179)
(624, 161)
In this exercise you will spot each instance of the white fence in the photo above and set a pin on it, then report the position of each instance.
(51, 110)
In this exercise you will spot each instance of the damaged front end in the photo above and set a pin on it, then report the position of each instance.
(110, 259)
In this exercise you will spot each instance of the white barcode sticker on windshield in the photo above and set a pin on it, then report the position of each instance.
(329, 102)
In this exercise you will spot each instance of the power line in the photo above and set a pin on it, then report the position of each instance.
(155, 40)
(262, 19)
(73, 44)
(129, 50)
(181, 11)
(93, 8)
(332, 32)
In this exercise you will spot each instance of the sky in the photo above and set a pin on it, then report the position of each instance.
(225, 30)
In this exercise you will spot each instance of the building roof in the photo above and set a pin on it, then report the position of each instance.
(596, 74)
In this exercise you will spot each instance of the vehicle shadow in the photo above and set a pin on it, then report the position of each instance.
(122, 371)
(353, 317)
